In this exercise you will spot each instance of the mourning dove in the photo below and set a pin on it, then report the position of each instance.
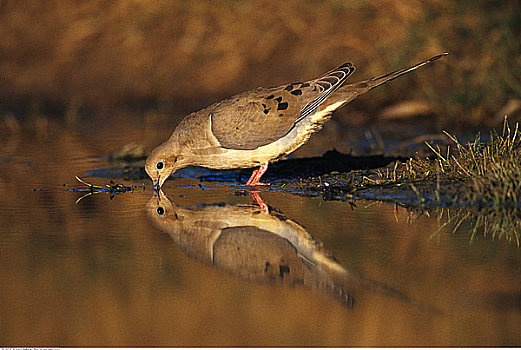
(259, 126)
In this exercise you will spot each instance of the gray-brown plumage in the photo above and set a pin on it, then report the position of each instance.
(259, 126)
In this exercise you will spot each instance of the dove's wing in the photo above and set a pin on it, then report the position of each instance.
(264, 115)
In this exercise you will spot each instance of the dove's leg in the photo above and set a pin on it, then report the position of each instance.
(257, 198)
(255, 177)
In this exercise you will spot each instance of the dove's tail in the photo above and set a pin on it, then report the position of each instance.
(377, 81)
(349, 92)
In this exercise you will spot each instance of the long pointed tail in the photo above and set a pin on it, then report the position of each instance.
(349, 92)
(377, 81)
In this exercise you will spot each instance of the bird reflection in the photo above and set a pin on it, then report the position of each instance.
(260, 245)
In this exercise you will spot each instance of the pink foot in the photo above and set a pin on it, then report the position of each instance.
(256, 175)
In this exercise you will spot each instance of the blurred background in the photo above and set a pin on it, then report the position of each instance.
(84, 59)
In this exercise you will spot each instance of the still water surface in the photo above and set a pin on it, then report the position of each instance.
(205, 265)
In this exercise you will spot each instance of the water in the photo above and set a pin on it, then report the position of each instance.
(204, 265)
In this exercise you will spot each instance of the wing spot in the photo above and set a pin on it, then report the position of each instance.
(270, 97)
(289, 87)
(266, 111)
(283, 269)
(303, 85)
(296, 92)
(282, 106)
(278, 99)
(281, 115)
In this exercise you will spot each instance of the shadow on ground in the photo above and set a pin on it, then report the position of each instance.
(331, 162)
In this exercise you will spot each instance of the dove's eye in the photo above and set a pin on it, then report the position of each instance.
(160, 211)
(160, 165)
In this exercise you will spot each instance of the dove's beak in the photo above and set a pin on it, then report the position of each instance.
(157, 184)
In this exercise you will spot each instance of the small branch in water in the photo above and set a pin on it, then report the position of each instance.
(91, 186)
(111, 188)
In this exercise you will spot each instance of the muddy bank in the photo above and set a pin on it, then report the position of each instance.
(333, 176)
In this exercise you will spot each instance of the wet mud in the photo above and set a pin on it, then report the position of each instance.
(333, 176)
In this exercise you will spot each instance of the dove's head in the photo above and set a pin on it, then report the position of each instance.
(162, 162)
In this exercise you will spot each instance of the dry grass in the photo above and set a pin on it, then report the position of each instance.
(484, 174)
(176, 56)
